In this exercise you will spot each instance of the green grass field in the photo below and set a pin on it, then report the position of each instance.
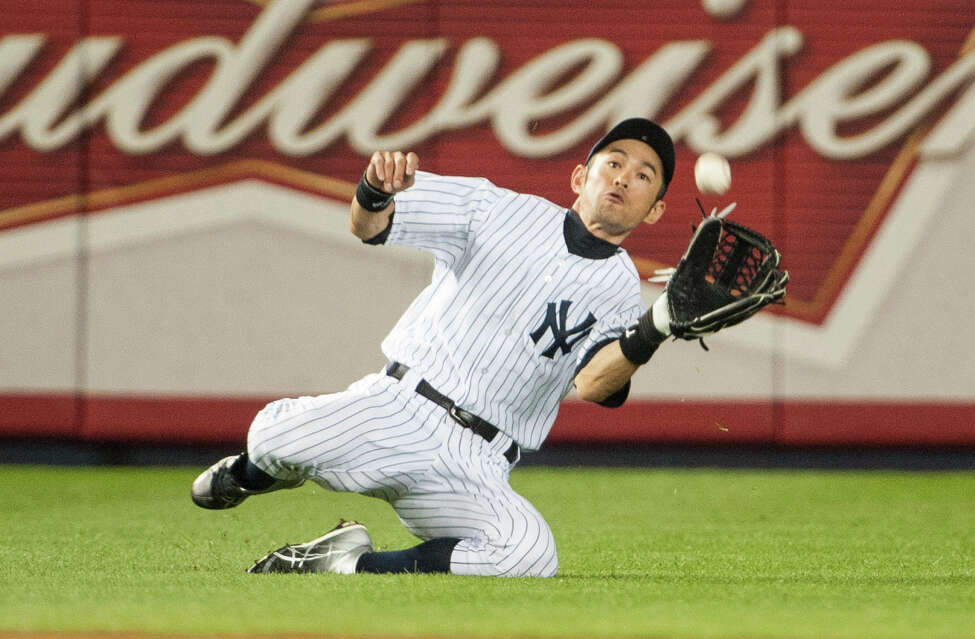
(643, 553)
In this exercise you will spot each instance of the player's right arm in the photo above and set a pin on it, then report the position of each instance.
(388, 172)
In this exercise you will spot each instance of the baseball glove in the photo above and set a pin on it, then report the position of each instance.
(728, 273)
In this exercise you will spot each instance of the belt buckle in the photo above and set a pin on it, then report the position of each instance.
(454, 412)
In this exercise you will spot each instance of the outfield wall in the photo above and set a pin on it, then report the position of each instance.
(174, 179)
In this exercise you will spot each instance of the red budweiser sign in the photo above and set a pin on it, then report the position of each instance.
(823, 108)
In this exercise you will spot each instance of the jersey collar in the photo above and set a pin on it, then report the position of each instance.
(581, 242)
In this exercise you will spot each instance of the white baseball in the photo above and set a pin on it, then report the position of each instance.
(712, 173)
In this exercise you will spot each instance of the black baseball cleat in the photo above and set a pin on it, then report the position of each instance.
(216, 488)
(337, 552)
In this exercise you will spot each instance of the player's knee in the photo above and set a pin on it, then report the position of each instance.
(546, 565)
(530, 553)
(526, 547)
(533, 556)
(540, 560)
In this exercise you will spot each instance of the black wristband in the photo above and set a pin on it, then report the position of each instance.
(640, 341)
(370, 198)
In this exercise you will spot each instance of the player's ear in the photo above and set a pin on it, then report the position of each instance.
(656, 212)
(578, 178)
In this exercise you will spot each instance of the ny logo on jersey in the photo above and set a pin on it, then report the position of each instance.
(564, 338)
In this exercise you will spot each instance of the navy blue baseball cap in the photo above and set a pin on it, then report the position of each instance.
(646, 131)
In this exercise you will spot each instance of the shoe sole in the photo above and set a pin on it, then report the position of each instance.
(341, 528)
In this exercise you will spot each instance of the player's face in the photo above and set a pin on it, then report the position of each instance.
(618, 189)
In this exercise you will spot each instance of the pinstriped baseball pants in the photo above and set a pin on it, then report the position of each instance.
(380, 438)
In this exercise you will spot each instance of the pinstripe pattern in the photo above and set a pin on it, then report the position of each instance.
(380, 438)
(501, 262)
(367, 439)
(500, 258)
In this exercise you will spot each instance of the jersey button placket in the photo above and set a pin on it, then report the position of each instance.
(558, 267)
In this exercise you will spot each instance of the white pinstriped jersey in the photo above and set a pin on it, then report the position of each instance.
(511, 312)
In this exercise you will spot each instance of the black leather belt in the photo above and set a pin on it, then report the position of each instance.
(468, 420)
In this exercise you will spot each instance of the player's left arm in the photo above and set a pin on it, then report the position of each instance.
(604, 377)
(605, 374)
(694, 303)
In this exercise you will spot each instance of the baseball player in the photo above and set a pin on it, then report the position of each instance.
(527, 300)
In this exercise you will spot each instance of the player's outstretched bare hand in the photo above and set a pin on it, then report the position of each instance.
(392, 171)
